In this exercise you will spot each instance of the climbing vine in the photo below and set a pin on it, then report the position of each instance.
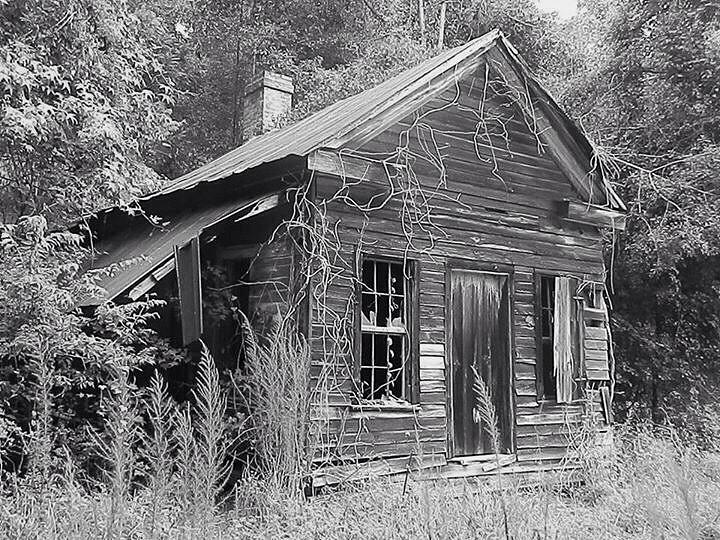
(319, 237)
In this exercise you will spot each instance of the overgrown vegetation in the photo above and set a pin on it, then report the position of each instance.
(101, 101)
(644, 85)
(654, 488)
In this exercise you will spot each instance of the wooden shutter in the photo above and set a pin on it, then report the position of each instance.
(562, 339)
(577, 336)
(187, 266)
(597, 335)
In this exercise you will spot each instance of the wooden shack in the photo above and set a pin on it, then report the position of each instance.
(439, 241)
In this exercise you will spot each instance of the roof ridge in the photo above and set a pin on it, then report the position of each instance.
(231, 162)
(477, 45)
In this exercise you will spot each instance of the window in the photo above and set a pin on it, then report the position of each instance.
(385, 329)
(546, 381)
(558, 338)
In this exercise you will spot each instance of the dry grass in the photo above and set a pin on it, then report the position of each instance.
(653, 489)
(169, 479)
(278, 372)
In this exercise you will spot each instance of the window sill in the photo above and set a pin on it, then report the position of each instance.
(554, 402)
(481, 458)
(399, 330)
(384, 407)
(486, 462)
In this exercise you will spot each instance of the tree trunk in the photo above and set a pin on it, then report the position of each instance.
(237, 96)
(441, 26)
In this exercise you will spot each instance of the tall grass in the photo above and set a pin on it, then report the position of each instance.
(185, 478)
(485, 414)
(211, 443)
(278, 371)
(118, 448)
(169, 479)
(159, 449)
(657, 490)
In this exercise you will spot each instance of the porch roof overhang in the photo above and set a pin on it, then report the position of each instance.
(145, 250)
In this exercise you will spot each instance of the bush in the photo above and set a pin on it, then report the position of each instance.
(55, 361)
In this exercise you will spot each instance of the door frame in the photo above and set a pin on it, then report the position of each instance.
(482, 267)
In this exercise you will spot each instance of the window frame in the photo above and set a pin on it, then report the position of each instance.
(540, 359)
(577, 346)
(411, 382)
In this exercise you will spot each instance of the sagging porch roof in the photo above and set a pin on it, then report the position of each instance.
(144, 246)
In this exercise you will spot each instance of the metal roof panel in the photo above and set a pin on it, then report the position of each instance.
(326, 127)
(148, 246)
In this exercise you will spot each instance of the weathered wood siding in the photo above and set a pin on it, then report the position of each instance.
(269, 280)
(495, 206)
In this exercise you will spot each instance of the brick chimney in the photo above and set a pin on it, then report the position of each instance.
(267, 98)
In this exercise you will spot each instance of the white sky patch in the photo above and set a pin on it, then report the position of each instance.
(564, 8)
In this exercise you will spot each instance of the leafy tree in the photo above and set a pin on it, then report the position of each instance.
(644, 83)
(534, 33)
(330, 48)
(84, 107)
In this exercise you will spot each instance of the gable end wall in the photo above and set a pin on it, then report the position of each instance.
(496, 206)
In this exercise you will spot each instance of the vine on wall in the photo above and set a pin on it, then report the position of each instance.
(323, 260)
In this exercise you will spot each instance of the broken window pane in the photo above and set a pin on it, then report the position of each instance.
(369, 310)
(368, 273)
(382, 277)
(384, 305)
(396, 364)
(397, 279)
(397, 312)
(383, 310)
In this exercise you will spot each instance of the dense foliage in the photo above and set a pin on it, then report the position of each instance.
(57, 363)
(645, 86)
(85, 106)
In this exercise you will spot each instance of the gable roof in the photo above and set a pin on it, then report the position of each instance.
(319, 130)
(372, 110)
(351, 121)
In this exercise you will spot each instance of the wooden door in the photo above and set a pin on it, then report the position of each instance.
(480, 338)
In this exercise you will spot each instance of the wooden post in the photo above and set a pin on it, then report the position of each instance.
(187, 267)
(441, 26)
(421, 17)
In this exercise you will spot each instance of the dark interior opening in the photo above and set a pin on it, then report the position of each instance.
(546, 359)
